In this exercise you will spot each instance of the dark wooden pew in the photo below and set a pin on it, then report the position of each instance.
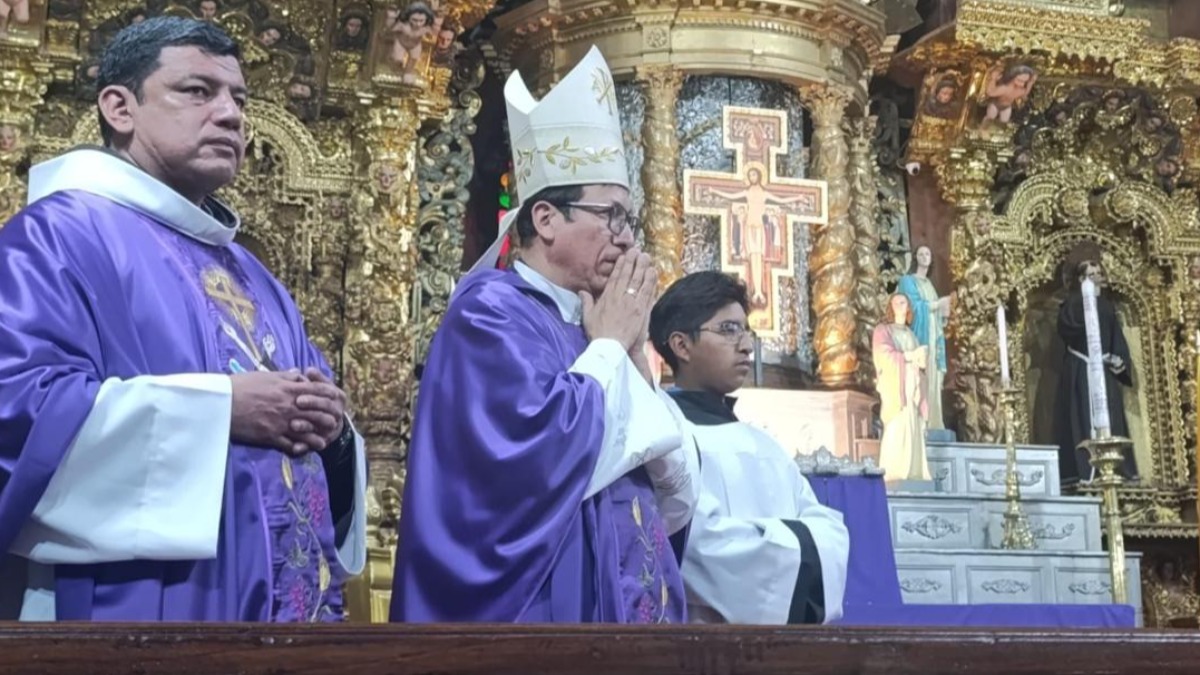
(358, 649)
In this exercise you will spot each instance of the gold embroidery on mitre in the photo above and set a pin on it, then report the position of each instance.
(566, 157)
(602, 84)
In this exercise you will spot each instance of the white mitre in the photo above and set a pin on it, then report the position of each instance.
(571, 137)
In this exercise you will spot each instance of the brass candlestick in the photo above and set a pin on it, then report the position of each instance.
(1017, 535)
(1106, 456)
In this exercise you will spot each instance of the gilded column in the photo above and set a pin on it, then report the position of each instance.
(382, 294)
(864, 214)
(23, 82)
(831, 264)
(446, 163)
(381, 281)
(662, 210)
(966, 182)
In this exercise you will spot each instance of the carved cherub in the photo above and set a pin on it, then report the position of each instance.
(942, 101)
(445, 48)
(10, 139)
(408, 30)
(208, 10)
(269, 35)
(13, 11)
(1007, 88)
(353, 34)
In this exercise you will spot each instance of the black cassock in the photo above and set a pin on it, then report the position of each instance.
(1072, 410)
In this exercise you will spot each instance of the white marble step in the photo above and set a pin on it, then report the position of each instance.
(967, 577)
(978, 468)
(935, 520)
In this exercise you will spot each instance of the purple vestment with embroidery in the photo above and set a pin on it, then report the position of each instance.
(494, 526)
(91, 290)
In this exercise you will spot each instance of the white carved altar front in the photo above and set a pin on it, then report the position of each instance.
(804, 421)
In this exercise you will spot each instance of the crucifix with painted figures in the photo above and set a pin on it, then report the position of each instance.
(758, 209)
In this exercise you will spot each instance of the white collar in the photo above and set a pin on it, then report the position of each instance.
(569, 304)
(104, 174)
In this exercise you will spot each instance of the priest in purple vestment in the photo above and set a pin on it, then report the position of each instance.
(171, 445)
(546, 473)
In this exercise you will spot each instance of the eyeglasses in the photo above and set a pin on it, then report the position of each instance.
(730, 330)
(618, 217)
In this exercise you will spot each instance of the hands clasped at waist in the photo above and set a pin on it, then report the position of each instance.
(290, 411)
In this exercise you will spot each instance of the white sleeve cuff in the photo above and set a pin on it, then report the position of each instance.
(676, 475)
(603, 360)
(636, 428)
(143, 479)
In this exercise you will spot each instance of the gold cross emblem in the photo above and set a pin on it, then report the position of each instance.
(602, 84)
(224, 290)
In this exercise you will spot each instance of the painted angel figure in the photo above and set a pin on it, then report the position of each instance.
(408, 31)
(13, 11)
(1006, 88)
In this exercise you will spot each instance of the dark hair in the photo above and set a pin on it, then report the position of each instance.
(133, 55)
(419, 8)
(1015, 70)
(690, 302)
(912, 266)
(1080, 269)
(558, 196)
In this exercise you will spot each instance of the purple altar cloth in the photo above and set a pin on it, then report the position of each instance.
(871, 578)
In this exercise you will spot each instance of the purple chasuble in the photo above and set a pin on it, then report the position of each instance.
(93, 290)
(494, 526)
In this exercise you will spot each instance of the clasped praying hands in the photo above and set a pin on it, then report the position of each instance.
(622, 312)
(290, 411)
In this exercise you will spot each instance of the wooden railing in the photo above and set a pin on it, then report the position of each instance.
(232, 649)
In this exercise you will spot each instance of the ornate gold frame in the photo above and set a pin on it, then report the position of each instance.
(1073, 178)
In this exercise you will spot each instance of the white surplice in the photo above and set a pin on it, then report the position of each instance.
(742, 561)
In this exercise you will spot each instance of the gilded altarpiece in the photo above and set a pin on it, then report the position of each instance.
(1049, 128)
(352, 193)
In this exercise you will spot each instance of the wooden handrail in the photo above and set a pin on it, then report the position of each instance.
(358, 649)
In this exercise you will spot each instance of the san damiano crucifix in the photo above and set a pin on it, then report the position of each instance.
(758, 209)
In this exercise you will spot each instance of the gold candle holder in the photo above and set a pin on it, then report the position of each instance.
(1106, 456)
(1017, 536)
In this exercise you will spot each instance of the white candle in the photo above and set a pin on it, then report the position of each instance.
(1095, 365)
(1002, 331)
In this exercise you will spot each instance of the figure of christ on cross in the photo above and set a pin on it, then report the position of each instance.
(757, 208)
(754, 241)
(757, 216)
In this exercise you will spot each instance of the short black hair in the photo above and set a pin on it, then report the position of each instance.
(558, 196)
(133, 55)
(688, 304)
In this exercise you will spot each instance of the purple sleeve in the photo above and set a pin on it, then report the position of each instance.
(50, 350)
(504, 444)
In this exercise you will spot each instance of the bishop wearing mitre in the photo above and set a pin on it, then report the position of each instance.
(547, 472)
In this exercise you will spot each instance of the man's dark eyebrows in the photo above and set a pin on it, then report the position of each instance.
(217, 84)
